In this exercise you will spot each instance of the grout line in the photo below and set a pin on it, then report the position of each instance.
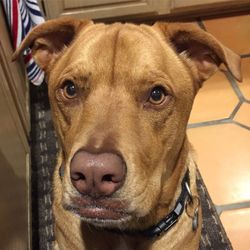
(232, 206)
(241, 125)
(236, 109)
(241, 98)
(209, 123)
(235, 86)
(245, 55)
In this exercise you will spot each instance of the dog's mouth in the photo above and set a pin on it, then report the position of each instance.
(99, 211)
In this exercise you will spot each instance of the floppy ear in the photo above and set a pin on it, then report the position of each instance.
(202, 52)
(47, 40)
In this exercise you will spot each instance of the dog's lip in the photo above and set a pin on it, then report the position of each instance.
(102, 208)
(100, 213)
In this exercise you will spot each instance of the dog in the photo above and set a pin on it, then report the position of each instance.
(121, 96)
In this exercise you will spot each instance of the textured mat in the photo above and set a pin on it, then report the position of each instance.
(44, 148)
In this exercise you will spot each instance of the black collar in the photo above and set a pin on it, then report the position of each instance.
(167, 222)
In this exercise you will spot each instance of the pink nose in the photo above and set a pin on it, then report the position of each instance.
(97, 174)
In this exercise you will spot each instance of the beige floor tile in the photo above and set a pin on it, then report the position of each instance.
(234, 32)
(243, 115)
(223, 158)
(215, 100)
(245, 85)
(237, 226)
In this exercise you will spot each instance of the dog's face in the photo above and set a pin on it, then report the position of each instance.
(129, 100)
(121, 96)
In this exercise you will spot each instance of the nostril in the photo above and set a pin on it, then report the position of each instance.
(97, 174)
(78, 176)
(108, 178)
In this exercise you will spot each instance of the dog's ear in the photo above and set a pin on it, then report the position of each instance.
(48, 39)
(202, 52)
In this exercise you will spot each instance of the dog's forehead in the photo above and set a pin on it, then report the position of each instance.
(120, 49)
(117, 37)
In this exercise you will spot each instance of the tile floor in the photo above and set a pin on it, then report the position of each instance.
(219, 129)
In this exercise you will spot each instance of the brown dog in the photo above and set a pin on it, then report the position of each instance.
(121, 96)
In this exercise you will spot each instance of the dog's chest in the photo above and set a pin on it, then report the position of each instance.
(134, 244)
(122, 245)
(125, 244)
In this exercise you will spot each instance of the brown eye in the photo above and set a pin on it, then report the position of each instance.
(69, 90)
(157, 95)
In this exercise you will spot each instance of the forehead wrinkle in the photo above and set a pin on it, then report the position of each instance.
(78, 73)
(97, 52)
(107, 49)
(85, 41)
(137, 51)
(114, 56)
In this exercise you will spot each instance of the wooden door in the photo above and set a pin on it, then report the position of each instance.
(99, 9)
(208, 7)
(14, 149)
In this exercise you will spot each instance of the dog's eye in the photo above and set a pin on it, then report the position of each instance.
(69, 89)
(157, 95)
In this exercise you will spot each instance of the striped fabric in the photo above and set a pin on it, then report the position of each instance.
(22, 16)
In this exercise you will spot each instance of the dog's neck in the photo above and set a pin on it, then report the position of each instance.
(95, 238)
(172, 184)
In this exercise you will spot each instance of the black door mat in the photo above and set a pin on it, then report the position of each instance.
(43, 156)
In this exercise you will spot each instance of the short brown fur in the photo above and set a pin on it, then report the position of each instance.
(115, 67)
